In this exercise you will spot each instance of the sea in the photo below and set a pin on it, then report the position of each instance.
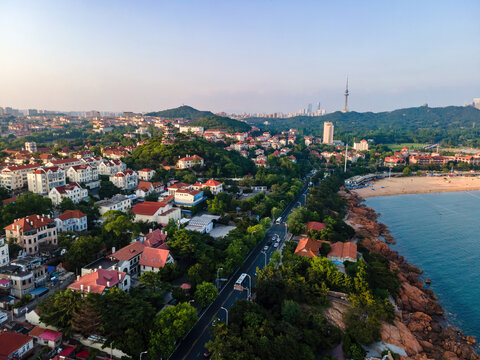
(440, 234)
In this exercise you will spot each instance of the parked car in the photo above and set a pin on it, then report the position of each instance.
(3, 317)
(265, 248)
(275, 245)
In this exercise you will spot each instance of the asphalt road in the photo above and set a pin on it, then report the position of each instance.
(192, 345)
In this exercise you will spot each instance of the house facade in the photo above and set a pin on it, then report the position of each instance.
(72, 191)
(156, 212)
(154, 259)
(116, 203)
(71, 220)
(101, 280)
(125, 180)
(190, 161)
(146, 174)
(42, 180)
(32, 231)
(188, 198)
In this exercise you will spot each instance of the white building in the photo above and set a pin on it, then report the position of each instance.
(71, 220)
(144, 188)
(156, 212)
(31, 147)
(203, 223)
(125, 180)
(116, 203)
(191, 129)
(4, 255)
(214, 186)
(146, 174)
(190, 161)
(111, 167)
(42, 180)
(65, 163)
(15, 176)
(82, 174)
(361, 146)
(328, 132)
(73, 191)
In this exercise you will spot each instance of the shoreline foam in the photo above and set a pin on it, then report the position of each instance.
(419, 185)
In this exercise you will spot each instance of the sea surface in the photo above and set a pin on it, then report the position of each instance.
(440, 234)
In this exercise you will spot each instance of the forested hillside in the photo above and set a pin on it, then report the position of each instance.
(185, 112)
(453, 124)
(225, 123)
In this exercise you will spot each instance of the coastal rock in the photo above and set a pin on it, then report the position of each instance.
(471, 340)
(448, 355)
(398, 334)
(334, 314)
(415, 300)
(419, 322)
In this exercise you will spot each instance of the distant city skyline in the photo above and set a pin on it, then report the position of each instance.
(255, 57)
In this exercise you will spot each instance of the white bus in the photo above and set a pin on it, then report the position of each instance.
(239, 283)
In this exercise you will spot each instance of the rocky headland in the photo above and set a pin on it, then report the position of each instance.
(420, 327)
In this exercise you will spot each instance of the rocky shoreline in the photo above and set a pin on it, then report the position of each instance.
(420, 326)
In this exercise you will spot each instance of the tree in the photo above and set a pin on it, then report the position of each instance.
(83, 251)
(407, 171)
(107, 189)
(297, 219)
(58, 309)
(206, 292)
(86, 318)
(66, 204)
(291, 311)
(169, 325)
(118, 229)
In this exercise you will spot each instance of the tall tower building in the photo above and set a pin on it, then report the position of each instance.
(309, 109)
(328, 132)
(345, 105)
(318, 106)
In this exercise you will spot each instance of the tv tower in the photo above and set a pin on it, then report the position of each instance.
(345, 105)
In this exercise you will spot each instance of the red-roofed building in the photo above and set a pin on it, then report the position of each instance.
(15, 345)
(144, 188)
(15, 176)
(214, 186)
(188, 197)
(72, 191)
(146, 174)
(128, 258)
(156, 239)
(111, 167)
(190, 161)
(101, 280)
(46, 337)
(343, 252)
(64, 163)
(125, 180)
(173, 187)
(32, 231)
(309, 247)
(154, 259)
(72, 220)
(82, 173)
(315, 225)
(156, 212)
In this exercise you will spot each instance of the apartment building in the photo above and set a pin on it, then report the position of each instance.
(32, 231)
(156, 212)
(188, 197)
(65, 163)
(111, 167)
(146, 174)
(116, 203)
(73, 191)
(82, 174)
(15, 176)
(4, 254)
(42, 180)
(125, 180)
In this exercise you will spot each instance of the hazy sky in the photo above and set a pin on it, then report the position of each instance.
(235, 56)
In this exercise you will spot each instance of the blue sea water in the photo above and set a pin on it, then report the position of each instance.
(440, 234)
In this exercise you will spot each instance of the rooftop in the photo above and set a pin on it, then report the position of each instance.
(129, 251)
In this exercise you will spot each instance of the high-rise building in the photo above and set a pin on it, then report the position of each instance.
(309, 110)
(318, 106)
(476, 103)
(328, 132)
(345, 104)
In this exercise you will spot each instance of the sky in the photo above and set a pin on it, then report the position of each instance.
(238, 56)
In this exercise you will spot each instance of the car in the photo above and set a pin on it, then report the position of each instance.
(278, 240)
(215, 321)
(3, 317)
(275, 245)
(265, 248)
(274, 237)
(206, 354)
(269, 243)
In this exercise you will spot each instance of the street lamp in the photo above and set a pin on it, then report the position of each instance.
(218, 276)
(226, 312)
(249, 289)
(143, 352)
(265, 254)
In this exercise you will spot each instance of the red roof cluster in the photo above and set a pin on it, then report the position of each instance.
(71, 214)
(156, 258)
(343, 250)
(98, 281)
(129, 251)
(148, 208)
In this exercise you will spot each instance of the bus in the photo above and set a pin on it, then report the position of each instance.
(239, 283)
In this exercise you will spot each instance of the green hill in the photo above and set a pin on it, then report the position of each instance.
(218, 122)
(185, 112)
(453, 124)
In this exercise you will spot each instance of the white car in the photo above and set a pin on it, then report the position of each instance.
(275, 245)
(265, 248)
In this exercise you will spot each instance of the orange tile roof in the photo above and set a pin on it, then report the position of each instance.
(344, 250)
(315, 225)
(10, 342)
(69, 214)
(29, 222)
(144, 185)
(36, 331)
(156, 258)
(129, 251)
(98, 281)
(148, 207)
(212, 182)
(308, 247)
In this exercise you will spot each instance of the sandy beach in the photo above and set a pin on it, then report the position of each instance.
(418, 185)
